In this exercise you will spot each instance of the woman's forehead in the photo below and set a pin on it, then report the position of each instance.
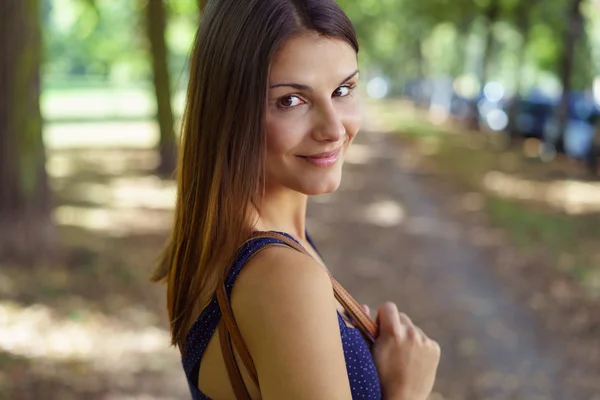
(310, 55)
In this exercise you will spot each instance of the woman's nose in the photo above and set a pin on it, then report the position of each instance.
(329, 125)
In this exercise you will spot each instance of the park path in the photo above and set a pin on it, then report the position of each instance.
(395, 230)
(389, 233)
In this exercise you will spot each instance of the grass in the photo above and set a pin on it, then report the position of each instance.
(529, 227)
(564, 237)
(102, 103)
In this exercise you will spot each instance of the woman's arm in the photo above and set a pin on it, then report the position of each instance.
(284, 304)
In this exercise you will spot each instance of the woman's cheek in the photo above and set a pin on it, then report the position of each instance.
(274, 132)
(352, 120)
(282, 136)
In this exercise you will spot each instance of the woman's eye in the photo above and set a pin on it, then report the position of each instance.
(289, 102)
(342, 91)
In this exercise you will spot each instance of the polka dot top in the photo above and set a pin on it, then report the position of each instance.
(362, 374)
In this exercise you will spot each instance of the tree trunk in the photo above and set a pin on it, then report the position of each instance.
(491, 15)
(572, 35)
(423, 98)
(26, 229)
(419, 58)
(460, 54)
(202, 5)
(524, 26)
(156, 24)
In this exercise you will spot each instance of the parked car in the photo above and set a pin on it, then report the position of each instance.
(533, 116)
(536, 117)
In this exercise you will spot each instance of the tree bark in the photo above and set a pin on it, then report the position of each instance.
(492, 14)
(156, 25)
(26, 229)
(460, 55)
(524, 25)
(572, 35)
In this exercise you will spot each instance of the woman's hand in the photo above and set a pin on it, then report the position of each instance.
(406, 359)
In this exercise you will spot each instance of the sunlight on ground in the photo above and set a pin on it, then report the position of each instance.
(386, 213)
(569, 196)
(572, 197)
(114, 222)
(139, 135)
(34, 332)
(117, 205)
(105, 102)
(129, 192)
(113, 162)
(120, 207)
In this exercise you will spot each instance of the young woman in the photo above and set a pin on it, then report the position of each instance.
(271, 111)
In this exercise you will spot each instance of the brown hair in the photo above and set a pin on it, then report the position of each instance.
(223, 148)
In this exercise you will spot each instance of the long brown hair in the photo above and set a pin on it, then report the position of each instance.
(223, 148)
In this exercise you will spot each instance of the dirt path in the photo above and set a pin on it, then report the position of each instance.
(389, 234)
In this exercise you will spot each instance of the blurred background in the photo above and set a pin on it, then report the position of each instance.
(471, 197)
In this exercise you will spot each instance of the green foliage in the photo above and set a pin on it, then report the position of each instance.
(105, 40)
(451, 35)
(399, 38)
(99, 38)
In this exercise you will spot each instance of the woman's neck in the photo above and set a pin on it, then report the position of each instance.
(283, 211)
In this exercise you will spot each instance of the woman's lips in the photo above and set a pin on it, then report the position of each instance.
(326, 159)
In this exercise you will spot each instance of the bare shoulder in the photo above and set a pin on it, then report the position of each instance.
(284, 286)
(283, 271)
(284, 304)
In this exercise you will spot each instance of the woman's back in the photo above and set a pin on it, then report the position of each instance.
(203, 357)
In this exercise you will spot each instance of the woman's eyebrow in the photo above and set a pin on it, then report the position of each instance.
(349, 77)
(296, 86)
(307, 88)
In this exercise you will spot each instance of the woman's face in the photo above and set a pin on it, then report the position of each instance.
(312, 113)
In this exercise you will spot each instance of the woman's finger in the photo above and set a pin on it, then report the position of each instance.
(405, 319)
(387, 318)
(420, 334)
(366, 309)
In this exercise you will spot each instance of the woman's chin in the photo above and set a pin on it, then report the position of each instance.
(324, 187)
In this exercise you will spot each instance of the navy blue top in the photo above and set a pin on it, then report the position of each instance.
(362, 374)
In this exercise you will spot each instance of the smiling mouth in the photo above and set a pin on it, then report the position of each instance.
(326, 159)
(325, 154)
